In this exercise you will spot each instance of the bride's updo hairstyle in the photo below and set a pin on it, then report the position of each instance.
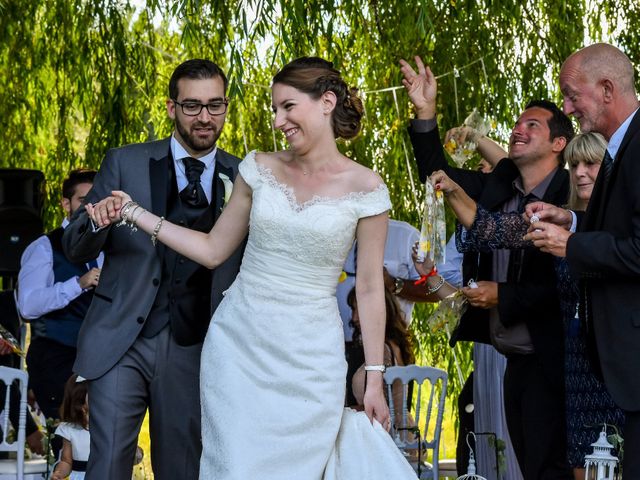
(315, 76)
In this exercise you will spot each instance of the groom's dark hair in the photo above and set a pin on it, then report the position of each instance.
(196, 69)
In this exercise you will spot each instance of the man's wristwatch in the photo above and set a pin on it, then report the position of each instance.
(398, 285)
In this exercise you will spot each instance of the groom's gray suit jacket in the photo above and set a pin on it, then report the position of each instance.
(131, 272)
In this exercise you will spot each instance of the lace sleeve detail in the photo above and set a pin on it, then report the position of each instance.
(249, 170)
(492, 231)
(373, 202)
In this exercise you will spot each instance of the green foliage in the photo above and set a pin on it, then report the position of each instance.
(80, 76)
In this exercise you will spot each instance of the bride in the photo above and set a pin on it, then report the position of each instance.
(273, 367)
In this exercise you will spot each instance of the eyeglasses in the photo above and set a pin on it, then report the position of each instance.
(193, 109)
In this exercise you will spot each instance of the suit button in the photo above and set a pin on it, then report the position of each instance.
(178, 281)
(181, 222)
(156, 282)
(181, 261)
(140, 320)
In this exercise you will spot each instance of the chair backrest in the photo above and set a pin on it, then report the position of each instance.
(427, 404)
(7, 377)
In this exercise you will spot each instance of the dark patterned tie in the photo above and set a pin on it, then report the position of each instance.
(193, 194)
(607, 166)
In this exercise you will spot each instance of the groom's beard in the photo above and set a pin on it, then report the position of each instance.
(193, 140)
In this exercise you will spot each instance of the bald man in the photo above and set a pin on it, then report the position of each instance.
(597, 85)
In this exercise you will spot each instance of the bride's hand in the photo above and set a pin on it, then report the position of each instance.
(375, 405)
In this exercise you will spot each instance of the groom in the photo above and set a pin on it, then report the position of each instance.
(141, 340)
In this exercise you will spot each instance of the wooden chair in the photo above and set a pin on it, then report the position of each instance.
(422, 433)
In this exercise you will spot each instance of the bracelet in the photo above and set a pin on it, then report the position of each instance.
(375, 368)
(423, 278)
(125, 219)
(436, 287)
(134, 217)
(156, 230)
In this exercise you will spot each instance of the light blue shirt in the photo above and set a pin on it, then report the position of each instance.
(616, 139)
(397, 260)
(451, 270)
(206, 179)
(38, 293)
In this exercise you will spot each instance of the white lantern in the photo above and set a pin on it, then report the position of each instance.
(601, 464)
(471, 470)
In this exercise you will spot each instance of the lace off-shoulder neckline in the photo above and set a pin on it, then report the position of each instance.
(290, 194)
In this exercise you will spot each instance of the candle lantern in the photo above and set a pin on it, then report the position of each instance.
(601, 464)
(471, 469)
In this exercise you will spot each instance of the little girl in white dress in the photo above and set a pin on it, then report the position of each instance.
(74, 431)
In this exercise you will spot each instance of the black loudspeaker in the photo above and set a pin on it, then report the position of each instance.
(21, 201)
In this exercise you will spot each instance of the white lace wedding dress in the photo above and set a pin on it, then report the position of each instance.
(273, 365)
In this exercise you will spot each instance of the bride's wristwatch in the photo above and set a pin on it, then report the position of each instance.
(375, 368)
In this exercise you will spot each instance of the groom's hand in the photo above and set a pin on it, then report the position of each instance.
(106, 211)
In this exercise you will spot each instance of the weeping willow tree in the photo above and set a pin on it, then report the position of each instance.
(80, 76)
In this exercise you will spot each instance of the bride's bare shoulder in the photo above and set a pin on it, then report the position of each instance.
(273, 159)
(362, 178)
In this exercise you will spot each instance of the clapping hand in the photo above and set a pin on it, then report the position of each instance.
(90, 279)
(421, 87)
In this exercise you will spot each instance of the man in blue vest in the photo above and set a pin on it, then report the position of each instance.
(54, 295)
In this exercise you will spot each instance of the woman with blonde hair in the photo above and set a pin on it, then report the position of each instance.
(583, 155)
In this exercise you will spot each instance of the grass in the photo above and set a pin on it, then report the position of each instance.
(144, 473)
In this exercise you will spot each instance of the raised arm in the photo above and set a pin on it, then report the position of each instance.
(371, 235)
(208, 249)
(421, 87)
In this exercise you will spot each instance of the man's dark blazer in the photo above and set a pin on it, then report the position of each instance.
(605, 255)
(530, 293)
(132, 268)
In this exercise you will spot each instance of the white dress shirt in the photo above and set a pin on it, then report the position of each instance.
(206, 179)
(38, 293)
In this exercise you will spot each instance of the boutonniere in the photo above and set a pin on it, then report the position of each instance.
(228, 186)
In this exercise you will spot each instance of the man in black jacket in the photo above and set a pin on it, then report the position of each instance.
(515, 306)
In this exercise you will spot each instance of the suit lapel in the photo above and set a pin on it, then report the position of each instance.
(557, 190)
(159, 180)
(594, 216)
(160, 184)
(499, 186)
